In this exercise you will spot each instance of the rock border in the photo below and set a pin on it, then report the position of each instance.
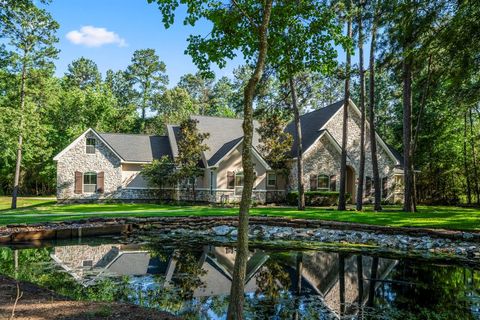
(14, 233)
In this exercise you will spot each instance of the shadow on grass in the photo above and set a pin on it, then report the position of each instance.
(29, 207)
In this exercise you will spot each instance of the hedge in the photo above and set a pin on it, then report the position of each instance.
(316, 198)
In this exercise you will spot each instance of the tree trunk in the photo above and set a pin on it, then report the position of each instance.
(16, 182)
(409, 200)
(474, 158)
(361, 171)
(465, 163)
(235, 307)
(371, 120)
(341, 282)
(360, 283)
(298, 128)
(373, 278)
(343, 165)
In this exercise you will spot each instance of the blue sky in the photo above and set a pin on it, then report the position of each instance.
(109, 31)
(135, 24)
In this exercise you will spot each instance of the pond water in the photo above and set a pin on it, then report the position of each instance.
(193, 280)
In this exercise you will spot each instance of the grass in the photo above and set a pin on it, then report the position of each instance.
(43, 210)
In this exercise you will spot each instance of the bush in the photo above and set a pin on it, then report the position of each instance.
(316, 198)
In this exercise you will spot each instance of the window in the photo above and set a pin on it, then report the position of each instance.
(87, 263)
(238, 183)
(368, 186)
(323, 182)
(90, 145)
(89, 182)
(272, 179)
(384, 187)
(239, 179)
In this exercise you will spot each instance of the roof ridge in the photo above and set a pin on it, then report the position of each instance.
(321, 109)
(218, 117)
(134, 134)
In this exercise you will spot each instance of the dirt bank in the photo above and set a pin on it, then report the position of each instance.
(41, 304)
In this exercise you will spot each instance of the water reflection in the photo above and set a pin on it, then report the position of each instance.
(195, 282)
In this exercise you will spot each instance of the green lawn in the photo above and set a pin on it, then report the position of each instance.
(42, 210)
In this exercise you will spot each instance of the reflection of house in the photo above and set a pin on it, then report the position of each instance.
(86, 262)
(320, 272)
(100, 166)
(218, 264)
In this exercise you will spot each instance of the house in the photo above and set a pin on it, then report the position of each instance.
(107, 166)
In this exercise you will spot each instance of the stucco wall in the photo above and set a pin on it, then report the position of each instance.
(234, 163)
(131, 177)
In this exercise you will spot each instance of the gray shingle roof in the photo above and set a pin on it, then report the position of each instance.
(138, 147)
(225, 134)
(396, 154)
(311, 123)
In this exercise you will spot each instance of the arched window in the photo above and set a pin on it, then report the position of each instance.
(323, 182)
(90, 182)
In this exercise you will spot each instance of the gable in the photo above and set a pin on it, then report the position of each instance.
(225, 134)
(129, 148)
(81, 138)
(311, 125)
(236, 151)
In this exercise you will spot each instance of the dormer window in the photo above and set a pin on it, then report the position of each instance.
(90, 148)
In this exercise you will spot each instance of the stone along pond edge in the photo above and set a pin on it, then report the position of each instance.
(278, 231)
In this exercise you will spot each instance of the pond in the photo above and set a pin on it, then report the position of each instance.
(192, 279)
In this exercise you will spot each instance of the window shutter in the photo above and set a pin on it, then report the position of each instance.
(78, 182)
(333, 183)
(313, 182)
(100, 181)
(230, 180)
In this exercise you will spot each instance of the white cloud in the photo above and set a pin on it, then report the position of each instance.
(91, 36)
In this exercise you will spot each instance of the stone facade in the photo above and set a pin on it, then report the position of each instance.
(76, 159)
(324, 158)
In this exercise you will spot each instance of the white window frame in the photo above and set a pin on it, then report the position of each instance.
(89, 184)
(88, 147)
(238, 188)
(268, 179)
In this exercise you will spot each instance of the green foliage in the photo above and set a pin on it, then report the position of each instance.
(147, 73)
(82, 73)
(173, 106)
(190, 148)
(275, 144)
(160, 173)
(316, 198)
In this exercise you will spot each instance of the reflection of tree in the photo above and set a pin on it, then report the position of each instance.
(421, 291)
(272, 279)
(188, 273)
(34, 265)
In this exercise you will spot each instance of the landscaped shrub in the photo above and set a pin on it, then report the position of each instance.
(316, 198)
